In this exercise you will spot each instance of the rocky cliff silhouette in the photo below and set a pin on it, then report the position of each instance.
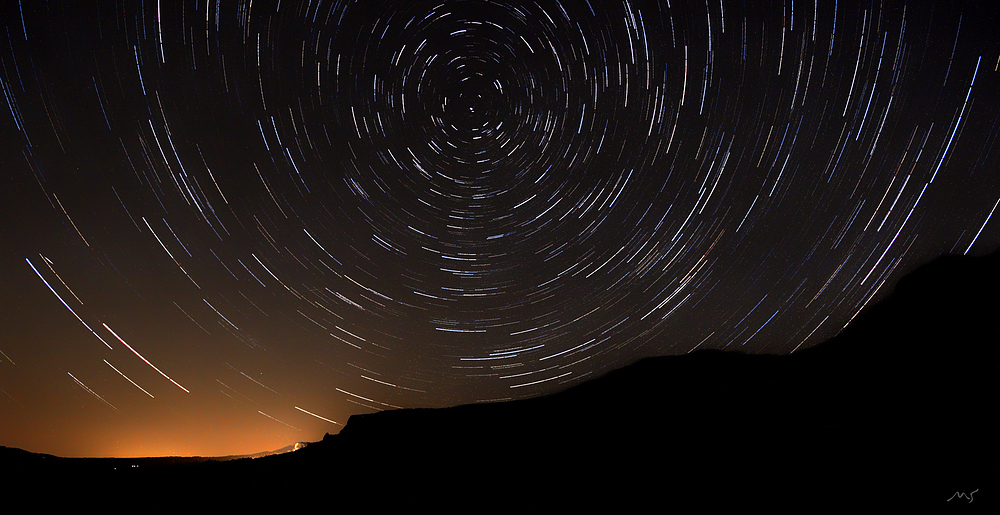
(900, 407)
(897, 410)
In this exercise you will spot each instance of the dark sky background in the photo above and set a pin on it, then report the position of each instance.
(229, 225)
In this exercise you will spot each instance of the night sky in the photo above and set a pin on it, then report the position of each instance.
(226, 226)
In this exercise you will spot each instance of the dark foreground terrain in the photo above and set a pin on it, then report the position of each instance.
(898, 411)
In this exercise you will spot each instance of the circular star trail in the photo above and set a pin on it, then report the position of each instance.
(229, 225)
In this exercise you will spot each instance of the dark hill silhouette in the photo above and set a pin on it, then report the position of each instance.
(898, 410)
(900, 407)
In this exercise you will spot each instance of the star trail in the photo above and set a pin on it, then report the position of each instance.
(305, 209)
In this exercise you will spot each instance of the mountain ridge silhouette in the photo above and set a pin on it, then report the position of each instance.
(896, 410)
